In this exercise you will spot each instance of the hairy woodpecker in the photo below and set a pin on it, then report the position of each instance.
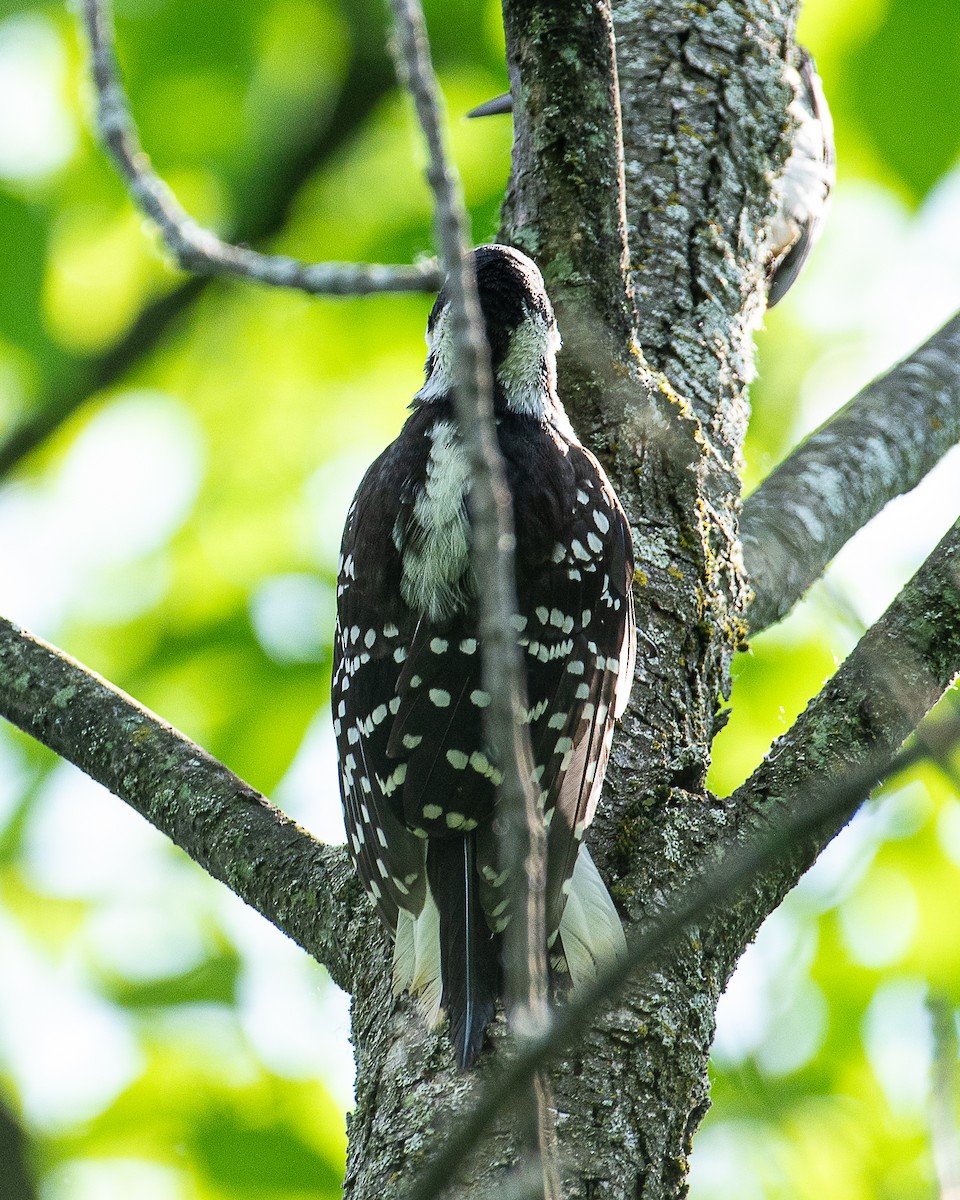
(418, 779)
(804, 186)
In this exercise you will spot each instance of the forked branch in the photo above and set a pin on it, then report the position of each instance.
(197, 249)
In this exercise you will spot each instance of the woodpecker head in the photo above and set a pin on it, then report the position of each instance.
(521, 331)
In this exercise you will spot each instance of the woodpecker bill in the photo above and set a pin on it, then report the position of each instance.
(418, 777)
(803, 189)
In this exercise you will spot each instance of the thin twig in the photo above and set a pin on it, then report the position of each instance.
(685, 907)
(522, 834)
(197, 249)
(944, 1097)
(306, 889)
(322, 132)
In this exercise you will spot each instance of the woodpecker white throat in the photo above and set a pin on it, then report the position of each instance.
(418, 778)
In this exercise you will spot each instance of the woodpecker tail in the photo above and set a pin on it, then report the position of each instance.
(469, 962)
(591, 935)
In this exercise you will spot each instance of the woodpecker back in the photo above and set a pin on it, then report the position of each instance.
(418, 778)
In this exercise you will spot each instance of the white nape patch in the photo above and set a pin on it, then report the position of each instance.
(590, 929)
(436, 559)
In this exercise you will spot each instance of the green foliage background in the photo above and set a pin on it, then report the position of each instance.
(177, 531)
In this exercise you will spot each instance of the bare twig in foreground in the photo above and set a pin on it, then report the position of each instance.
(523, 837)
(197, 249)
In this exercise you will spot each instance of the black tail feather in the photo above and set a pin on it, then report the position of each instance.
(469, 961)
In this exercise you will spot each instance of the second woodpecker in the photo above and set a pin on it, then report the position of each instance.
(418, 777)
(803, 189)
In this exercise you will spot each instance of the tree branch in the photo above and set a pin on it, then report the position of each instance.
(809, 786)
(896, 673)
(943, 1097)
(878, 446)
(492, 518)
(197, 249)
(265, 210)
(306, 889)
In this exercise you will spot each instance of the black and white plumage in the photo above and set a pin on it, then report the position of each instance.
(418, 779)
(804, 187)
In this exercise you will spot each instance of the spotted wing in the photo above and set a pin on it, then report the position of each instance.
(579, 643)
(373, 631)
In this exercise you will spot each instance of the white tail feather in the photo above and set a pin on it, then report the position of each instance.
(404, 952)
(416, 958)
(590, 928)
